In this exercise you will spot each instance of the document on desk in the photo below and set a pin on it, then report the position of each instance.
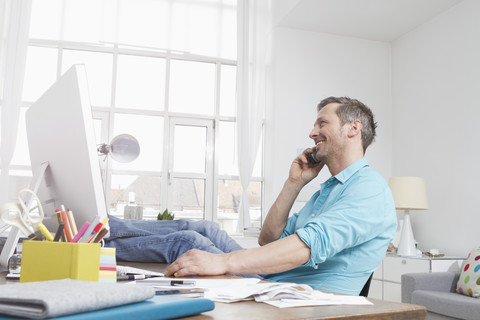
(320, 300)
(282, 295)
(197, 283)
(278, 294)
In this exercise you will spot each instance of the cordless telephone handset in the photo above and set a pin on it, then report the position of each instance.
(311, 157)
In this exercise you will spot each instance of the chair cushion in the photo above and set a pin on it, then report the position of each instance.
(448, 303)
(469, 281)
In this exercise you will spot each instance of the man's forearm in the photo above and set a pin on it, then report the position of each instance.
(277, 216)
(278, 256)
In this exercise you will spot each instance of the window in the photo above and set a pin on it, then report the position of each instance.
(163, 71)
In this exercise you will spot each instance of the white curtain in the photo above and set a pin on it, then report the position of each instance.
(14, 27)
(254, 34)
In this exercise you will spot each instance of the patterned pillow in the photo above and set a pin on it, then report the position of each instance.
(469, 281)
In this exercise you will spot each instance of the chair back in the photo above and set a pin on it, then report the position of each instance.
(366, 287)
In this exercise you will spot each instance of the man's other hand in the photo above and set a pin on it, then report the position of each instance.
(197, 262)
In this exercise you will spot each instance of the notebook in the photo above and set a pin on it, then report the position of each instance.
(159, 307)
(76, 299)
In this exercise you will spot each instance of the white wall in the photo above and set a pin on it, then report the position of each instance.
(436, 110)
(308, 67)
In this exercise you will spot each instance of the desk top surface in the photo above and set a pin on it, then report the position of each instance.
(252, 310)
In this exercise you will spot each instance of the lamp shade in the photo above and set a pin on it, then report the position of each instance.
(123, 148)
(409, 193)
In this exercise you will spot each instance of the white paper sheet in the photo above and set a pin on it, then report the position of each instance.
(336, 300)
(202, 283)
(278, 294)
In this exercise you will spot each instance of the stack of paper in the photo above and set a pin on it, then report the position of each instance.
(260, 292)
(278, 294)
(281, 295)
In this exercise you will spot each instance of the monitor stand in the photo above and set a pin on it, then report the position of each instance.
(14, 235)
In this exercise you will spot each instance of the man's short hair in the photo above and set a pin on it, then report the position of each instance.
(350, 110)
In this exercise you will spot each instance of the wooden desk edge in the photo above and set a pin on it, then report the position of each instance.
(251, 310)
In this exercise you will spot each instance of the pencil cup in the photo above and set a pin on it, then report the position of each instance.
(50, 260)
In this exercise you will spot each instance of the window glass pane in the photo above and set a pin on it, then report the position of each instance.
(148, 130)
(228, 29)
(226, 149)
(255, 202)
(99, 73)
(227, 90)
(192, 87)
(144, 23)
(40, 72)
(190, 149)
(188, 198)
(21, 155)
(19, 179)
(144, 190)
(199, 27)
(200, 32)
(46, 19)
(140, 82)
(229, 196)
(87, 20)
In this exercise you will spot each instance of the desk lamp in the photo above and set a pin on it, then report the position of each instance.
(123, 148)
(409, 194)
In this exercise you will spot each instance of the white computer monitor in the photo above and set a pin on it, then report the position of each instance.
(60, 132)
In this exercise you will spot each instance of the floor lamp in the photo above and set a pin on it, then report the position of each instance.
(409, 194)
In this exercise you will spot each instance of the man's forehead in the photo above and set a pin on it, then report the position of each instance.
(329, 109)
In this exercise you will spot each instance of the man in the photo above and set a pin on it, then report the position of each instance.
(334, 243)
(341, 235)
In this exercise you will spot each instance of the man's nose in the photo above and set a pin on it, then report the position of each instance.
(313, 134)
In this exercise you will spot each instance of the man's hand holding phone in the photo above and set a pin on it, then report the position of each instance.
(305, 167)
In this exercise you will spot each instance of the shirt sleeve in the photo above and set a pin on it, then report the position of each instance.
(361, 213)
(292, 221)
(290, 228)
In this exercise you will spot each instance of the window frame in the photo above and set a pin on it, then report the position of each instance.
(106, 115)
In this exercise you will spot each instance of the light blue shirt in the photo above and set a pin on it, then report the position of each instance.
(348, 225)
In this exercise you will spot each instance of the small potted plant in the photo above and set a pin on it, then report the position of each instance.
(165, 215)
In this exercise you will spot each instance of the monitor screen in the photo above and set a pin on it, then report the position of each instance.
(60, 131)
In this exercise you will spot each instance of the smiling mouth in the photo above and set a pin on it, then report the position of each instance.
(319, 143)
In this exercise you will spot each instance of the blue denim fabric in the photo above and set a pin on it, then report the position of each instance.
(163, 241)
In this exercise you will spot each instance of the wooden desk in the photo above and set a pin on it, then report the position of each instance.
(252, 310)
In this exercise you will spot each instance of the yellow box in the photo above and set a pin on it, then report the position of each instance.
(51, 260)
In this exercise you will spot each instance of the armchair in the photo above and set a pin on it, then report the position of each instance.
(436, 291)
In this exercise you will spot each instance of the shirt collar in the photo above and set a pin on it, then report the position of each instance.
(351, 170)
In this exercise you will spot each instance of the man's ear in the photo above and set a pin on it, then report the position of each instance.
(355, 128)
